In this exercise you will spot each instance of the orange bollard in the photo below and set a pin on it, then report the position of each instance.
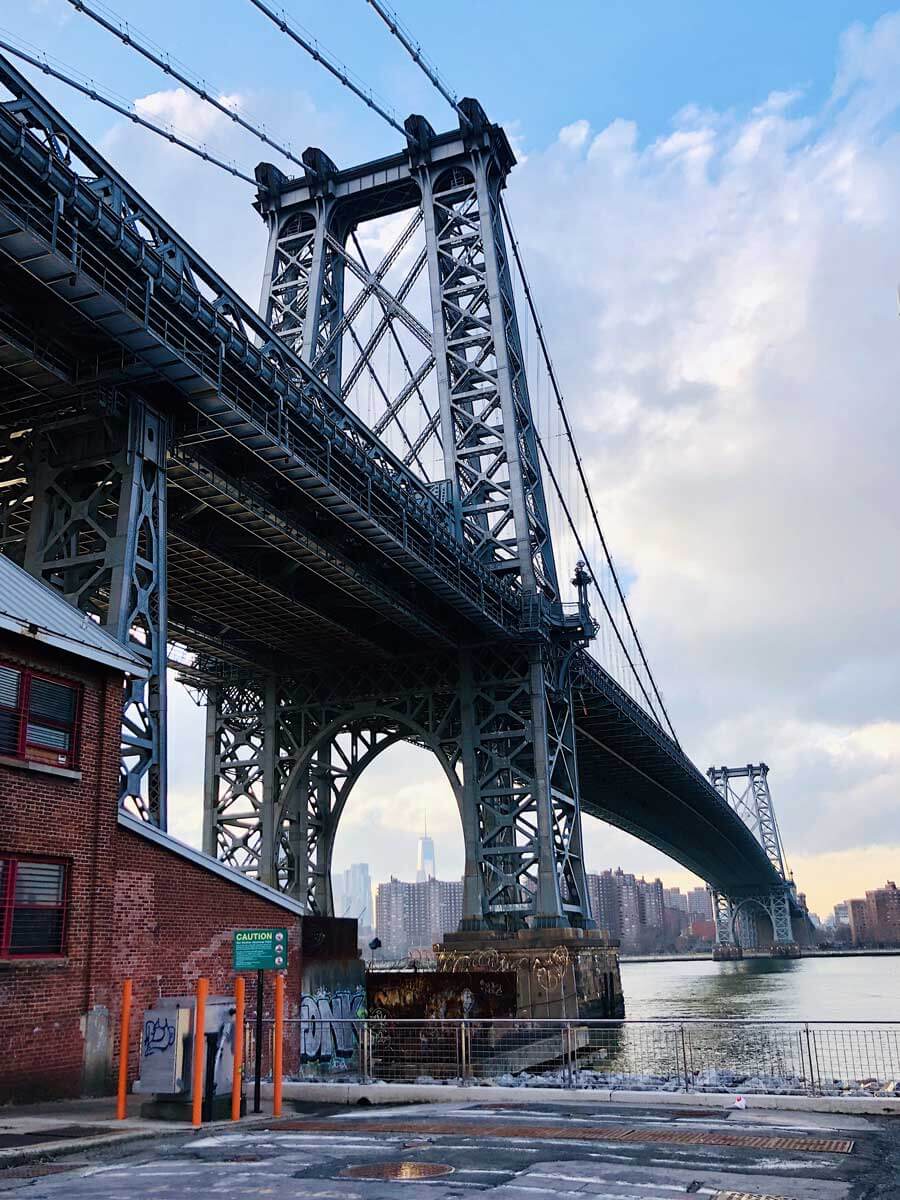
(197, 1072)
(238, 1076)
(278, 1048)
(122, 1092)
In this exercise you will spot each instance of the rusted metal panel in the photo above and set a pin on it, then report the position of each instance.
(440, 995)
(328, 938)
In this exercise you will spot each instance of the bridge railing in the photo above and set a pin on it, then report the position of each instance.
(737, 1057)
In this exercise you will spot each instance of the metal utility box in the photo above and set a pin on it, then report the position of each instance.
(167, 1052)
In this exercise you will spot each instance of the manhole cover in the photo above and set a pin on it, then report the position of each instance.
(397, 1170)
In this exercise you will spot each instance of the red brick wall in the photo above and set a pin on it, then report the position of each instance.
(174, 923)
(135, 908)
(42, 1001)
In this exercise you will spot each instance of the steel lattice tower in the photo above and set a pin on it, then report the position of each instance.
(753, 804)
(282, 760)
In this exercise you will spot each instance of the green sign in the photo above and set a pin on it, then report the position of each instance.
(260, 949)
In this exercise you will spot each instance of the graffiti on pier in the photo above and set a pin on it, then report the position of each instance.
(441, 995)
(329, 1025)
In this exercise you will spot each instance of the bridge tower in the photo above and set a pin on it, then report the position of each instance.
(284, 754)
(746, 791)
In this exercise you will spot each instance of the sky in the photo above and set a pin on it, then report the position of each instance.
(708, 200)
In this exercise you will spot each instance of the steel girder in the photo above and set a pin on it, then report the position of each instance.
(73, 225)
(97, 533)
(284, 755)
(483, 423)
(753, 804)
(734, 914)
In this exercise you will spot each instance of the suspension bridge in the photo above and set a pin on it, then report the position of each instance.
(355, 517)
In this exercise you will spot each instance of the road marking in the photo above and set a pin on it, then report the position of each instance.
(673, 1137)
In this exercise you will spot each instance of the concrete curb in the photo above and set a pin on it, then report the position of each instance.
(399, 1093)
(42, 1151)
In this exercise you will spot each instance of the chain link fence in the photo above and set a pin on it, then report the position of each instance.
(697, 1055)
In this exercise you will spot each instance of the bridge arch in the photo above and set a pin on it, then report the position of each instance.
(326, 772)
(745, 905)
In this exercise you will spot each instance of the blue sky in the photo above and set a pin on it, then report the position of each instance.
(529, 62)
(709, 204)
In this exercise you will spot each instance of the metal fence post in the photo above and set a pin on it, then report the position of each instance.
(464, 1051)
(569, 1043)
(687, 1082)
(812, 1085)
(364, 1052)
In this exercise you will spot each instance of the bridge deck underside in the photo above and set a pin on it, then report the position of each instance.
(273, 562)
(634, 777)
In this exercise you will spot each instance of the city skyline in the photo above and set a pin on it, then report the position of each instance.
(641, 912)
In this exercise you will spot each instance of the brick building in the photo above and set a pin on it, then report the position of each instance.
(874, 921)
(89, 895)
(416, 915)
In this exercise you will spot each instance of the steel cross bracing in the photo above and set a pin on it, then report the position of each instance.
(752, 801)
(481, 420)
(753, 804)
(334, 598)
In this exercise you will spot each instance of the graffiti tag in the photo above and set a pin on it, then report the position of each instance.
(329, 1025)
(159, 1036)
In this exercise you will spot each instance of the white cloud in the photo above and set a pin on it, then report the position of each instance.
(185, 112)
(721, 304)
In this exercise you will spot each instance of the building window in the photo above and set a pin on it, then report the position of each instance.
(38, 716)
(33, 903)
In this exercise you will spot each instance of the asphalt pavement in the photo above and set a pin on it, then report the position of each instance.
(510, 1152)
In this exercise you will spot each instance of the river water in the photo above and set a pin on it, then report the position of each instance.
(805, 989)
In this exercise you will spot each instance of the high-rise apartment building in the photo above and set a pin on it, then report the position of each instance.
(416, 915)
(859, 921)
(883, 914)
(674, 898)
(352, 894)
(652, 903)
(603, 892)
(700, 903)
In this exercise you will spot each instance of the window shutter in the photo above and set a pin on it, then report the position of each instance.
(51, 711)
(10, 693)
(9, 687)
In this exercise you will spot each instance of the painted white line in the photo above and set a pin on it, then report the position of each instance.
(667, 1187)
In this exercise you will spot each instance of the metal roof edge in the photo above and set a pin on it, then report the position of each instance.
(124, 661)
(199, 859)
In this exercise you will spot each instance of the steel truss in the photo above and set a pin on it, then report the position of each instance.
(262, 435)
(97, 533)
(283, 757)
(482, 423)
(753, 804)
(500, 722)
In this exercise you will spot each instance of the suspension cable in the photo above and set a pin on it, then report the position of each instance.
(337, 69)
(414, 50)
(90, 89)
(584, 554)
(129, 36)
(551, 372)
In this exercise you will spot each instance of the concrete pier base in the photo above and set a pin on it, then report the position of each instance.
(560, 973)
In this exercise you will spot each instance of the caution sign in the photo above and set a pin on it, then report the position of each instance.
(260, 949)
